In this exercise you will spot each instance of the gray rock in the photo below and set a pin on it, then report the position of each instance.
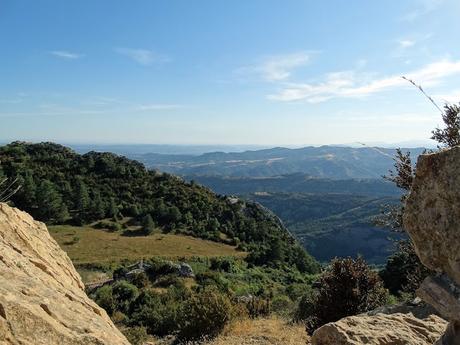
(432, 214)
(185, 270)
(432, 219)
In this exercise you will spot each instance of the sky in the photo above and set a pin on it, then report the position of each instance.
(208, 72)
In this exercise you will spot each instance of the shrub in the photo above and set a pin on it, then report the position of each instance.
(107, 224)
(135, 335)
(403, 272)
(158, 313)
(204, 315)
(124, 293)
(140, 280)
(348, 287)
(258, 307)
(104, 298)
(281, 305)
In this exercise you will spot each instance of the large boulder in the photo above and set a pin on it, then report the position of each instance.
(381, 329)
(432, 213)
(42, 297)
(432, 219)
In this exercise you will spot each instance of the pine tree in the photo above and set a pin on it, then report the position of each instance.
(49, 202)
(148, 225)
(98, 208)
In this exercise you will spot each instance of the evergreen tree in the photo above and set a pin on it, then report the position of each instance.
(81, 197)
(113, 209)
(148, 226)
(98, 208)
(49, 202)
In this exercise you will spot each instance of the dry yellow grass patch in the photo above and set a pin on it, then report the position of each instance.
(272, 331)
(100, 246)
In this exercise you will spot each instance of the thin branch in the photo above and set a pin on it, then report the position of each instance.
(423, 91)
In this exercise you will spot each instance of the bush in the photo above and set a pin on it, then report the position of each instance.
(403, 272)
(104, 298)
(135, 335)
(157, 312)
(205, 315)
(124, 293)
(107, 224)
(281, 305)
(348, 287)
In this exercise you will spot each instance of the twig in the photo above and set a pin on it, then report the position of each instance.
(423, 91)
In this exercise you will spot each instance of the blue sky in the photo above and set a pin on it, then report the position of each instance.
(284, 72)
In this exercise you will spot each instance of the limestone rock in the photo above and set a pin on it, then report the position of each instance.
(432, 213)
(42, 298)
(381, 329)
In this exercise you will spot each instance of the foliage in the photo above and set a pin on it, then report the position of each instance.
(148, 226)
(93, 186)
(135, 335)
(449, 136)
(162, 303)
(205, 315)
(347, 287)
(404, 272)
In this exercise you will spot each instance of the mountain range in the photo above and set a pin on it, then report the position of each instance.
(333, 162)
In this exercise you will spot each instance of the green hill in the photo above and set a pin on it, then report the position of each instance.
(60, 186)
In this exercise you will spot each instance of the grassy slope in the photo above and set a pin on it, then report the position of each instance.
(99, 246)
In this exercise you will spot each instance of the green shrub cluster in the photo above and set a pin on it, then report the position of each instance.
(162, 303)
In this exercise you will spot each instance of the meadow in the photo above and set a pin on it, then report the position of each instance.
(86, 245)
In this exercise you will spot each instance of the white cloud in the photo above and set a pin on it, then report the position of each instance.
(350, 84)
(277, 67)
(142, 56)
(66, 54)
(406, 43)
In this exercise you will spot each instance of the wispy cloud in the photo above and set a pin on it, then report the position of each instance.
(276, 67)
(66, 54)
(351, 84)
(142, 56)
(406, 43)
(423, 7)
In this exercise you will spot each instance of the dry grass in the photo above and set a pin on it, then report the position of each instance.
(100, 246)
(271, 331)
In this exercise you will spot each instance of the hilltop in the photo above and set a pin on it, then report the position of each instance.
(60, 186)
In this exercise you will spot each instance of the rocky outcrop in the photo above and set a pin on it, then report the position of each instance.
(381, 329)
(42, 298)
(432, 219)
(432, 214)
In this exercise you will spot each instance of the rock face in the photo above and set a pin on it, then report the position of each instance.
(432, 219)
(432, 214)
(42, 298)
(381, 329)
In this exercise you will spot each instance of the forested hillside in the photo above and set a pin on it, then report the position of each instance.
(330, 217)
(61, 186)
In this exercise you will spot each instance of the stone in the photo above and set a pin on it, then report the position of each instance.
(432, 220)
(432, 212)
(42, 297)
(185, 270)
(381, 329)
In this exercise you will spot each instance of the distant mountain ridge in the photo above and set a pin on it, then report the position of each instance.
(333, 162)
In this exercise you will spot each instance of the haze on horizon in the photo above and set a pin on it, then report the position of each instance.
(260, 72)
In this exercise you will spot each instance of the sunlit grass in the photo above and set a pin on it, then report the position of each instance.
(86, 245)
